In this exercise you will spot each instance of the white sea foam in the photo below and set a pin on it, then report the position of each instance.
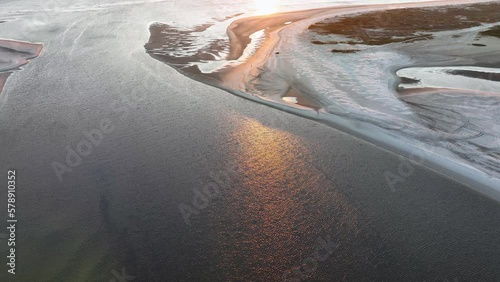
(443, 77)
(457, 129)
(358, 94)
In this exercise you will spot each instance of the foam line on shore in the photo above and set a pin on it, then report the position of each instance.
(462, 172)
(235, 79)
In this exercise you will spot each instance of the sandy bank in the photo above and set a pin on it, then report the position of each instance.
(240, 30)
(13, 55)
(242, 78)
(454, 160)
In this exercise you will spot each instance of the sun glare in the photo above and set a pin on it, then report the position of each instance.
(266, 7)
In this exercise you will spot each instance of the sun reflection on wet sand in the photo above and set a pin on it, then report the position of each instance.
(277, 206)
(266, 7)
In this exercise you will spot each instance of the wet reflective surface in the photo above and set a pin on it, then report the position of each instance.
(298, 200)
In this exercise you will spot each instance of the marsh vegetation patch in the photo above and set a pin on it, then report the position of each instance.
(408, 25)
(493, 32)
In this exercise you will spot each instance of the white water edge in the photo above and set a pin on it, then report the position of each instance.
(356, 92)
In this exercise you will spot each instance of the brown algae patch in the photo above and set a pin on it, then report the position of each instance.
(344, 51)
(493, 32)
(410, 24)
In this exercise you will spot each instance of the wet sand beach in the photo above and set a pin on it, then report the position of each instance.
(287, 184)
(268, 75)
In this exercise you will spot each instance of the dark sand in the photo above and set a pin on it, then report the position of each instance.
(495, 32)
(292, 180)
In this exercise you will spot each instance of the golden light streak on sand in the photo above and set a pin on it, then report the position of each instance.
(267, 209)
